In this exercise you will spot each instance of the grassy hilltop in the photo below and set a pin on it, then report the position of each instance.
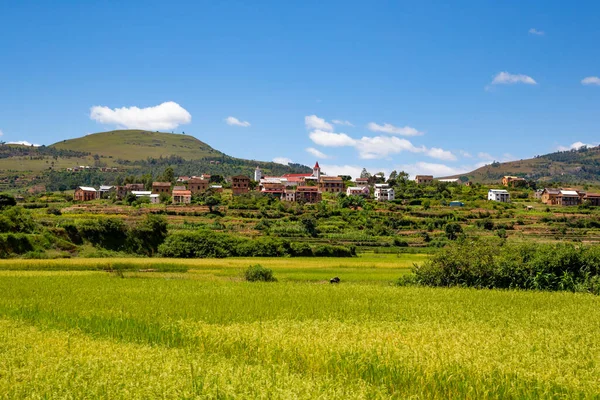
(139, 145)
(573, 166)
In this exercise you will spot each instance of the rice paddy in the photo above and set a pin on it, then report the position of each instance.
(81, 331)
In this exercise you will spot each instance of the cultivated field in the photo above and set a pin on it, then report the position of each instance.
(78, 332)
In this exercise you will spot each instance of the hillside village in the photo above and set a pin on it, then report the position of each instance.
(310, 187)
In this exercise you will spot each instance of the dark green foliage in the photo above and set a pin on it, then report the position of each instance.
(6, 200)
(452, 230)
(494, 264)
(258, 273)
(17, 219)
(17, 243)
(205, 244)
(400, 242)
(332, 251)
(148, 235)
(109, 233)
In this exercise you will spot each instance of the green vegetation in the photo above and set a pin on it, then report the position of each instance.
(496, 264)
(187, 335)
(258, 273)
(569, 167)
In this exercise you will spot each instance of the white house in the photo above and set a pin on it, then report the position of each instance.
(499, 195)
(154, 198)
(383, 192)
(358, 191)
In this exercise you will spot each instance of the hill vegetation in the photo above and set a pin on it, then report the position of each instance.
(135, 145)
(571, 167)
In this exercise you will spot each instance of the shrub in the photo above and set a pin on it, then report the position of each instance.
(492, 264)
(453, 229)
(14, 243)
(400, 242)
(258, 273)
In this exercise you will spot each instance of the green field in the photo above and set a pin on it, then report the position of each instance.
(69, 330)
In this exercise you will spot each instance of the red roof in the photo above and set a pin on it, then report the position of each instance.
(316, 165)
(296, 175)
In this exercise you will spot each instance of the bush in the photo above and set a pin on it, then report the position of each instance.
(258, 273)
(400, 242)
(491, 263)
(14, 244)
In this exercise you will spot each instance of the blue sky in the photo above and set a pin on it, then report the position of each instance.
(423, 86)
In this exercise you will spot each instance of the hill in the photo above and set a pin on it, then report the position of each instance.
(132, 152)
(573, 166)
(140, 145)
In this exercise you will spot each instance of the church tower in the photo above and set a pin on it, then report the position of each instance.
(317, 171)
(257, 174)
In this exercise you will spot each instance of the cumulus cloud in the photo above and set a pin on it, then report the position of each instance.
(505, 78)
(314, 122)
(383, 146)
(233, 121)
(168, 115)
(591, 80)
(485, 156)
(465, 154)
(24, 143)
(282, 160)
(351, 170)
(342, 122)
(394, 130)
(575, 146)
(330, 139)
(534, 31)
(441, 154)
(437, 170)
(316, 153)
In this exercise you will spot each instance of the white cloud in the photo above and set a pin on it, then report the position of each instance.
(1, 133)
(465, 154)
(168, 115)
(24, 143)
(504, 78)
(351, 170)
(437, 170)
(575, 146)
(534, 31)
(485, 156)
(317, 153)
(383, 146)
(591, 80)
(330, 139)
(441, 154)
(233, 121)
(282, 160)
(342, 122)
(314, 122)
(394, 130)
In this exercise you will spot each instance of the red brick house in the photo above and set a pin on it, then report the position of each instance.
(161, 187)
(308, 194)
(198, 185)
(240, 184)
(84, 193)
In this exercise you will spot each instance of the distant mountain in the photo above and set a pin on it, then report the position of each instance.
(135, 145)
(132, 152)
(573, 166)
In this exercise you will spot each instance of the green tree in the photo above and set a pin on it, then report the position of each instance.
(212, 201)
(453, 229)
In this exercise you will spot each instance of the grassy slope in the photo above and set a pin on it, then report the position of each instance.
(140, 145)
(554, 166)
(90, 335)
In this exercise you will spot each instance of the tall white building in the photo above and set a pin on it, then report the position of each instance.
(499, 195)
(383, 192)
(257, 174)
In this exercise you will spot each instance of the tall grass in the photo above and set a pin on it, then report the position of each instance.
(89, 335)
